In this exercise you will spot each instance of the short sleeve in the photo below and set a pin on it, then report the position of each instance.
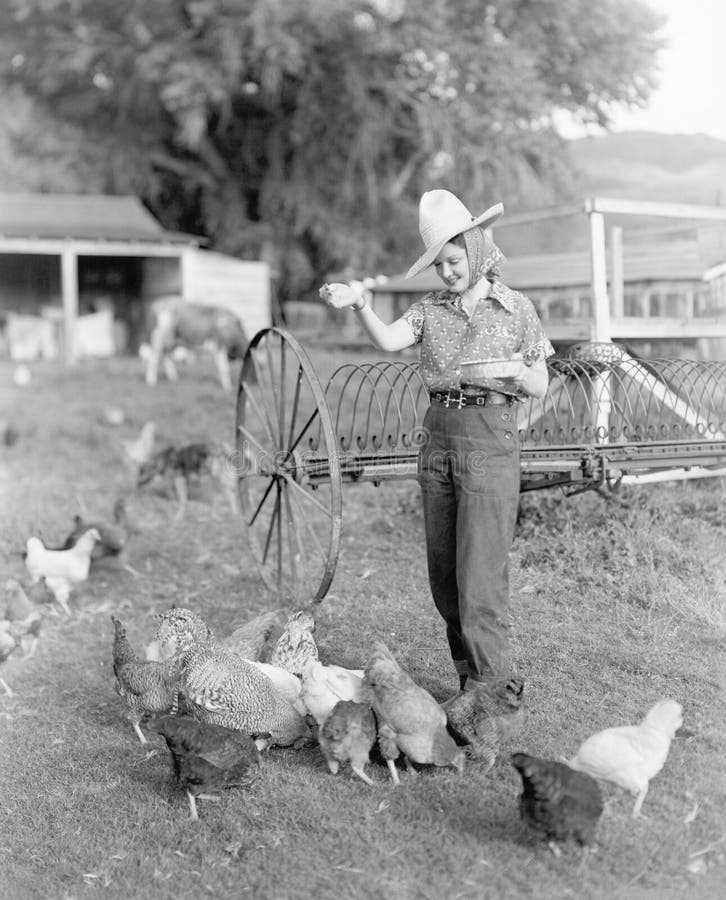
(415, 317)
(535, 345)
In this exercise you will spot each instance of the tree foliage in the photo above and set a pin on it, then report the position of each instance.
(305, 130)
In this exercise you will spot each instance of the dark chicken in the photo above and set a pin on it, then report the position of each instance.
(207, 757)
(557, 801)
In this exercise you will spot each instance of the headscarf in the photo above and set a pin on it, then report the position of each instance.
(483, 254)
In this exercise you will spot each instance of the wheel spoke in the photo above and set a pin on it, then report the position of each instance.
(311, 530)
(292, 535)
(308, 496)
(264, 497)
(275, 513)
(263, 413)
(262, 416)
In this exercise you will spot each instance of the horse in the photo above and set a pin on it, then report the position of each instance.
(178, 322)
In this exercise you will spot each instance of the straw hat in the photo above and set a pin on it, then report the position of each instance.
(441, 216)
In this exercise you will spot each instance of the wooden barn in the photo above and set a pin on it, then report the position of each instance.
(663, 291)
(77, 274)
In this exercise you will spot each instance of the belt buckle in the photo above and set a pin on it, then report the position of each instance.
(449, 401)
(481, 401)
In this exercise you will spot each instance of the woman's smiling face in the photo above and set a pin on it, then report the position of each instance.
(452, 267)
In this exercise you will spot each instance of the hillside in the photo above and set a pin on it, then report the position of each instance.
(646, 165)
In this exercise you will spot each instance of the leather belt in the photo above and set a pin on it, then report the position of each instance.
(458, 399)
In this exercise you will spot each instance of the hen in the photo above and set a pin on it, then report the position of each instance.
(8, 645)
(323, 686)
(179, 628)
(256, 639)
(410, 721)
(630, 755)
(557, 801)
(207, 757)
(221, 688)
(347, 735)
(146, 687)
(23, 616)
(139, 451)
(483, 718)
(62, 569)
(296, 646)
(112, 535)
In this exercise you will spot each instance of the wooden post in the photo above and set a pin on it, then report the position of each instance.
(617, 281)
(69, 288)
(599, 281)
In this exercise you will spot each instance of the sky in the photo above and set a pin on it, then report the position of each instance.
(692, 93)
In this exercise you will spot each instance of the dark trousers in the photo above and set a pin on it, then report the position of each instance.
(469, 475)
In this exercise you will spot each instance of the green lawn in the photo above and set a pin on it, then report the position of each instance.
(613, 607)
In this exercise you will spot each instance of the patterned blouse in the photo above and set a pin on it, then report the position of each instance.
(503, 323)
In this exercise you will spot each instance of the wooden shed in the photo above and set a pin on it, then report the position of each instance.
(76, 265)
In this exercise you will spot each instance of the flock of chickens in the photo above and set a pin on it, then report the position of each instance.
(221, 703)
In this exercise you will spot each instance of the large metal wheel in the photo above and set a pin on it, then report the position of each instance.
(288, 468)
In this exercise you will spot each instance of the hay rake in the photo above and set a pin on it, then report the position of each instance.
(607, 419)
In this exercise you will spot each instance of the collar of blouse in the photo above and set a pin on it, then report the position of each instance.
(499, 292)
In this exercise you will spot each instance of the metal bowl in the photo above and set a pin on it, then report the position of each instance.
(484, 371)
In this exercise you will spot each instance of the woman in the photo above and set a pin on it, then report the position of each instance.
(469, 459)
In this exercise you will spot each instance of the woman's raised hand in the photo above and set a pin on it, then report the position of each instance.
(341, 295)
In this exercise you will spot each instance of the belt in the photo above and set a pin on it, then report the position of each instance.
(457, 399)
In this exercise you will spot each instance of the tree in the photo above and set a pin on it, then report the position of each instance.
(305, 130)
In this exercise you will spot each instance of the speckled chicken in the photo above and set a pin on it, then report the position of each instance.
(348, 735)
(178, 629)
(483, 718)
(410, 721)
(220, 688)
(207, 757)
(145, 686)
(557, 801)
(296, 645)
(630, 755)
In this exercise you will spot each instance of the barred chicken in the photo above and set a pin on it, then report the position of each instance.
(207, 757)
(410, 721)
(220, 688)
(324, 686)
(296, 645)
(146, 687)
(483, 718)
(178, 630)
(557, 801)
(630, 755)
(348, 735)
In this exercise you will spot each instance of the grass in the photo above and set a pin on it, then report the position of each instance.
(612, 609)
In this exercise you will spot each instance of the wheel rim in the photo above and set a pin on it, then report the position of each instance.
(288, 470)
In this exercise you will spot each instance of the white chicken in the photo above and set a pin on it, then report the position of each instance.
(630, 755)
(61, 569)
(323, 686)
(287, 684)
(139, 451)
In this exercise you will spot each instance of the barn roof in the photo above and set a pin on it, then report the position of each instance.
(665, 261)
(81, 217)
